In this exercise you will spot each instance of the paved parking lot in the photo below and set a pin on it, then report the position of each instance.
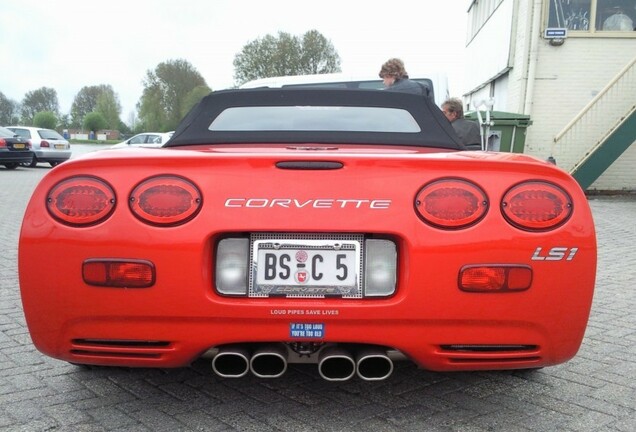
(596, 391)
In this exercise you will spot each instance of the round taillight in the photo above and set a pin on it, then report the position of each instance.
(536, 206)
(451, 203)
(81, 201)
(165, 200)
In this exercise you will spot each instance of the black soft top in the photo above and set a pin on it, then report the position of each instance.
(434, 129)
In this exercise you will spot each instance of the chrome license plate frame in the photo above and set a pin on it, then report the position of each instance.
(300, 265)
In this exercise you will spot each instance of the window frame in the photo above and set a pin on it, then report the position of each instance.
(592, 31)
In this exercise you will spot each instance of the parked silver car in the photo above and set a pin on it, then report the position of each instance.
(47, 145)
(146, 139)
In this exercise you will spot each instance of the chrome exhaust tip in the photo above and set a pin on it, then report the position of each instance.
(336, 364)
(231, 362)
(269, 361)
(373, 365)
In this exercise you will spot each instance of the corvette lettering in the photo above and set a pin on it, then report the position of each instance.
(555, 254)
(323, 203)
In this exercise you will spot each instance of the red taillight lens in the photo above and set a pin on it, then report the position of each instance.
(44, 143)
(536, 206)
(81, 201)
(165, 200)
(495, 278)
(3, 143)
(118, 273)
(451, 203)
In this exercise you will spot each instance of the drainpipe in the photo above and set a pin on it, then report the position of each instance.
(534, 55)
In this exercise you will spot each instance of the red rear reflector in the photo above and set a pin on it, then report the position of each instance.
(536, 206)
(495, 278)
(118, 274)
(165, 200)
(519, 278)
(451, 203)
(81, 201)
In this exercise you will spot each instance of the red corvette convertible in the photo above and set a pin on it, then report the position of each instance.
(345, 228)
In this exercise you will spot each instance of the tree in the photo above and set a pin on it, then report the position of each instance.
(8, 110)
(193, 98)
(94, 121)
(165, 92)
(64, 121)
(45, 119)
(152, 112)
(318, 55)
(286, 55)
(86, 101)
(42, 99)
(108, 106)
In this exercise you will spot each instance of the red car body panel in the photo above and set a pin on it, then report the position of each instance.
(307, 188)
(427, 312)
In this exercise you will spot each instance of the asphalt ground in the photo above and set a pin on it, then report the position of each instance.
(595, 391)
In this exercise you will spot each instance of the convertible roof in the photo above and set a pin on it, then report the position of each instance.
(434, 129)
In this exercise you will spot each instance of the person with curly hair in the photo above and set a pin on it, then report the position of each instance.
(397, 79)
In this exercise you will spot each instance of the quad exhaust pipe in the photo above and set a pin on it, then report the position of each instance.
(269, 361)
(231, 362)
(334, 363)
(373, 365)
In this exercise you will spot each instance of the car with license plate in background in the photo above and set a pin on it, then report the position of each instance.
(48, 146)
(346, 228)
(14, 150)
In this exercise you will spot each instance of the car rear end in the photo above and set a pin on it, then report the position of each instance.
(14, 150)
(52, 148)
(346, 256)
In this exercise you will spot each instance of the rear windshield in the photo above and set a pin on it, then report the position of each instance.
(315, 118)
(24, 133)
(49, 134)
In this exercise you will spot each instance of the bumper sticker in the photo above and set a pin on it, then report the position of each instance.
(307, 330)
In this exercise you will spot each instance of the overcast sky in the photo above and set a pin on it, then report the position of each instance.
(69, 44)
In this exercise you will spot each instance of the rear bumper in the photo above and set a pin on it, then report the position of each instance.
(53, 155)
(437, 345)
(11, 157)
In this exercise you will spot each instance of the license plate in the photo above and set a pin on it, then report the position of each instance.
(306, 265)
(60, 146)
(19, 146)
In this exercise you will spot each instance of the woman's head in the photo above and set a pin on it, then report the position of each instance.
(392, 70)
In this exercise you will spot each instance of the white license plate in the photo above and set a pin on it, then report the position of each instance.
(306, 265)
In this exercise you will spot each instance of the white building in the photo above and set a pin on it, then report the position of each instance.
(579, 88)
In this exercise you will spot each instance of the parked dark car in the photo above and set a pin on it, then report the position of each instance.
(47, 145)
(14, 150)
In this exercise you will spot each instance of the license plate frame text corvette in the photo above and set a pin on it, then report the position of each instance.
(306, 265)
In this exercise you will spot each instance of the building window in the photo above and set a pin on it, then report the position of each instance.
(478, 13)
(593, 16)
